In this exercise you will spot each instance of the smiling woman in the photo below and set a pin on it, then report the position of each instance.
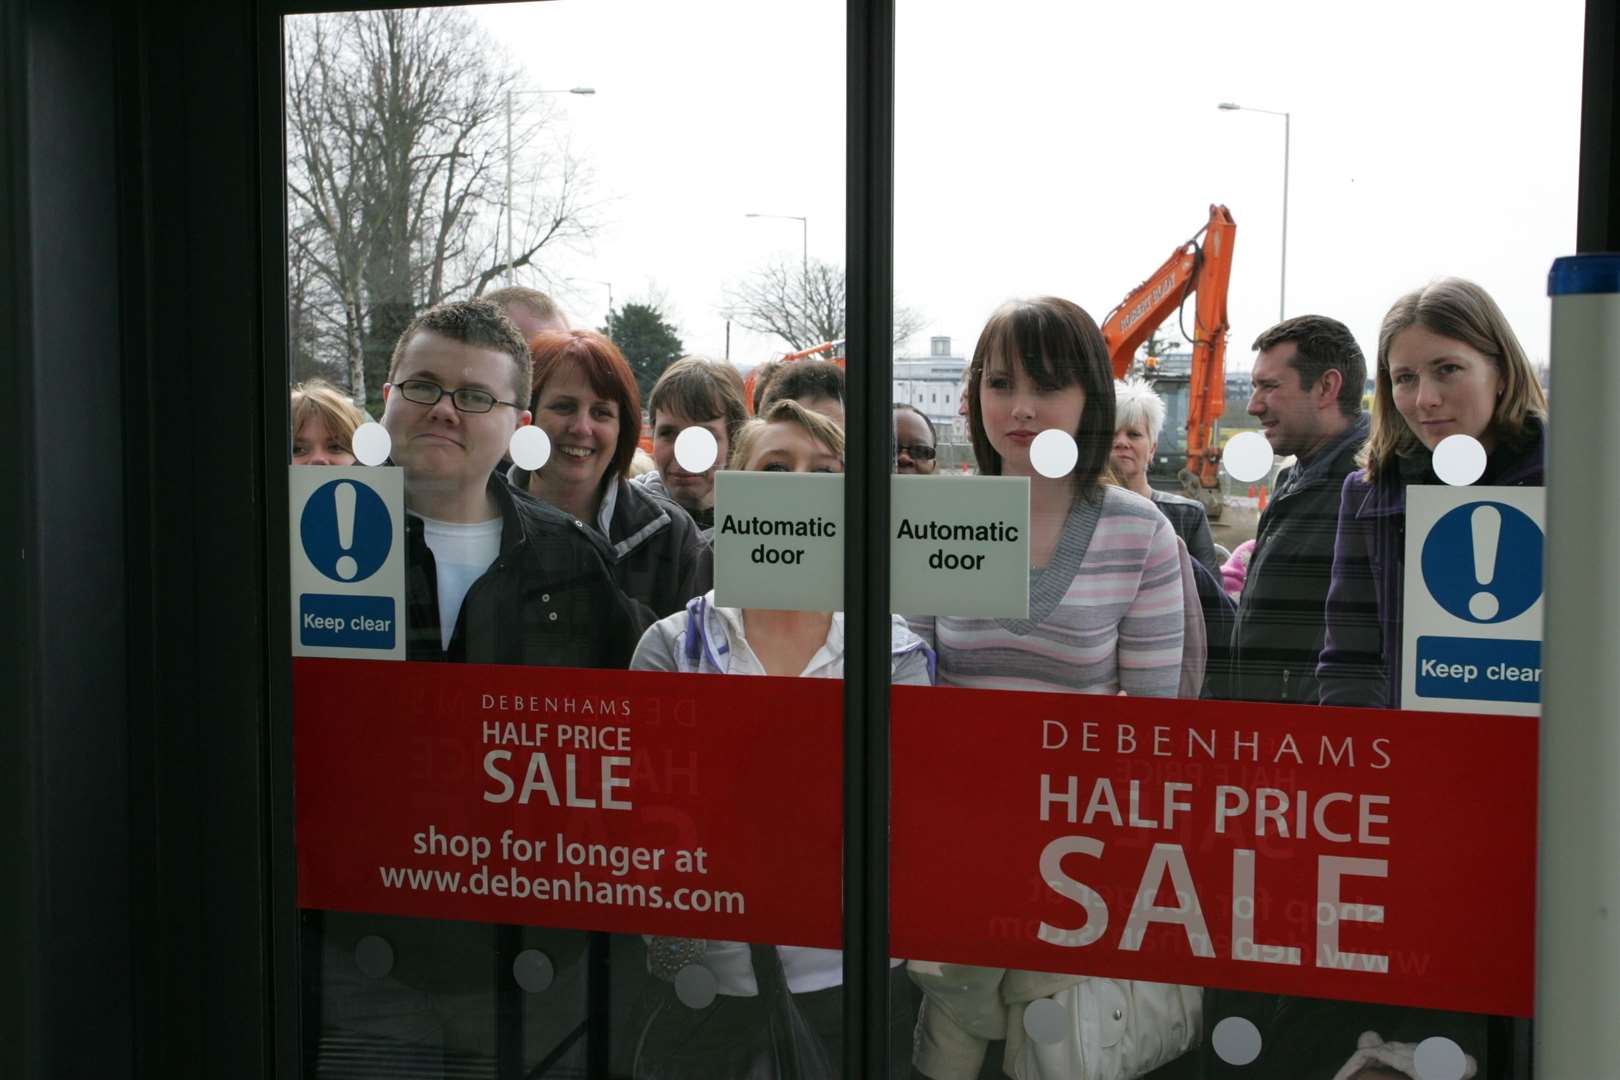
(586, 401)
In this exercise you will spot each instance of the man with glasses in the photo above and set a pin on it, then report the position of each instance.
(492, 576)
(914, 442)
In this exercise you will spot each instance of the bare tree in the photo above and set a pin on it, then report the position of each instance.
(396, 132)
(802, 304)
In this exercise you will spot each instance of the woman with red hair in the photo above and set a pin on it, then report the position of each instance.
(586, 401)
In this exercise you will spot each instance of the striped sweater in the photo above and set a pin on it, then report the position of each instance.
(1106, 614)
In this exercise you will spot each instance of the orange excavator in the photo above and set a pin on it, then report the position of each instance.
(1201, 265)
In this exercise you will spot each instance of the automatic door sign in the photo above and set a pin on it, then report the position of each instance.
(959, 545)
(1472, 639)
(779, 540)
(348, 561)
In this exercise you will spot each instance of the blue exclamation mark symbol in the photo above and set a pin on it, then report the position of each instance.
(1486, 523)
(346, 531)
(343, 500)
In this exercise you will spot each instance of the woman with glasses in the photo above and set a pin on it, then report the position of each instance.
(586, 400)
(726, 1039)
(915, 448)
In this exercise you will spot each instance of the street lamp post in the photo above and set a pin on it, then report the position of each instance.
(804, 226)
(1282, 288)
(511, 254)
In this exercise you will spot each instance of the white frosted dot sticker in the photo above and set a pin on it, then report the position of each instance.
(1236, 1040)
(1053, 453)
(533, 970)
(373, 956)
(1459, 460)
(1247, 457)
(531, 448)
(695, 986)
(696, 449)
(371, 444)
(1438, 1058)
(1045, 1021)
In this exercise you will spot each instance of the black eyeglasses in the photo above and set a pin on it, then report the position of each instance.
(466, 399)
(918, 453)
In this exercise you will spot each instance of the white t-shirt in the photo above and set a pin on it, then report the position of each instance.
(461, 554)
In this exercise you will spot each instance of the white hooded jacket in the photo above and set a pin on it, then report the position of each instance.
(710, 640)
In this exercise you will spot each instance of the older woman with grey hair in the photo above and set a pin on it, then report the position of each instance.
(1138, 421)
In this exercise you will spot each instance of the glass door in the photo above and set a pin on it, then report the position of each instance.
(1220, 453)
(566, 288)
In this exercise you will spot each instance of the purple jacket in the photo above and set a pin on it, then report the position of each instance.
(1360, 663)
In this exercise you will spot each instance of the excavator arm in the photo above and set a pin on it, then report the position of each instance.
(1201, 266)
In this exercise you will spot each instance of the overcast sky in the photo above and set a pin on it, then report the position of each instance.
(1068, 147)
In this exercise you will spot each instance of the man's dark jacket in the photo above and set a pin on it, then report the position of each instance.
(548, 600)
(1279, 629)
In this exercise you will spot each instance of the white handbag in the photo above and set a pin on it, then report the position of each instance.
(1109, 1029)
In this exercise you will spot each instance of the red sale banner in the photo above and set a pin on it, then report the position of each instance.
(1350, 854)
(628, 801)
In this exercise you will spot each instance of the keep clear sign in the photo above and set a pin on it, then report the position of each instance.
(1472, 639)
(960, 545)
(779, 540)
(348, 561)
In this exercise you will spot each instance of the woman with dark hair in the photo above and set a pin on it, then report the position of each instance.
(586, 401)
(916, 449)
(1448, 364)
(1108, 613)
(1105, 581)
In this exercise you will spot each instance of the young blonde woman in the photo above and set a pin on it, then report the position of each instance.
(323, 424)
(721, 1041)
(1448, 364)
(1108, 614)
